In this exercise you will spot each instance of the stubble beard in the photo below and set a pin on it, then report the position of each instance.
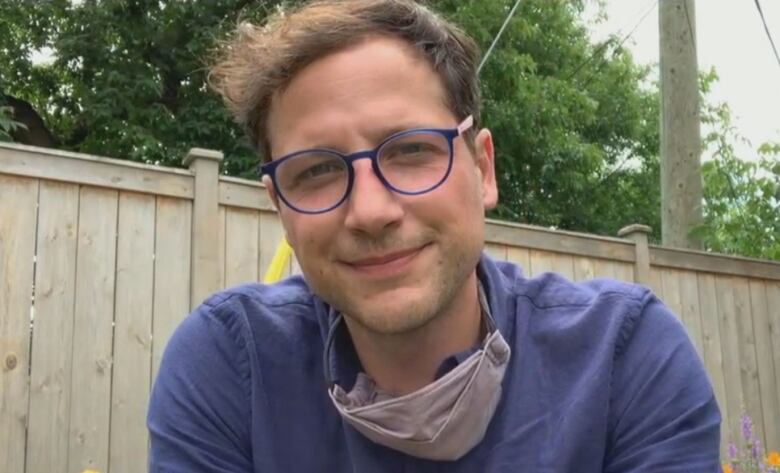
(444, 282)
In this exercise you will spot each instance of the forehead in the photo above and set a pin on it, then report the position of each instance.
(377, 84)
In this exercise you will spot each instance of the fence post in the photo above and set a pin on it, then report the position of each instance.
(638, 233)
(204, 163)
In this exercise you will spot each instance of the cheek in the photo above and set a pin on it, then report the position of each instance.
(465, 186)
(310, 236)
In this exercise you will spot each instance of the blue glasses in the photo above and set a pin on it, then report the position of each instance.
(411, 162)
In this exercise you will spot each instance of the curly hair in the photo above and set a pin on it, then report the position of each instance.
(260, 61)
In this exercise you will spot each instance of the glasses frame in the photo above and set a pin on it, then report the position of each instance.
(269, 169)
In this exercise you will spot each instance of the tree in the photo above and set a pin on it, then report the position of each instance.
(576, 123)
(127, 78)
(742, 197)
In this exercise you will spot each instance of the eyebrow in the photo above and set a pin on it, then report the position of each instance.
(381, 134)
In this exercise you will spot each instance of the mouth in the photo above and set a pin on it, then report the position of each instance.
(386, 264)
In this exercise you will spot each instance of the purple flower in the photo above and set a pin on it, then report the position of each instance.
(732, 452)
(747, 428)
(755, 450)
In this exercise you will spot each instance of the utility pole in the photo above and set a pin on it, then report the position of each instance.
(681, 185)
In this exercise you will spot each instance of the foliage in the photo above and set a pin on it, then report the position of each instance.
(742, 198)
(751, 458)
(573, 124)
(128, 80)
(7, 123)
(127, 77)
(576, 123)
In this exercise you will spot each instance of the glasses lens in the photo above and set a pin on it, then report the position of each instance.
(415, 162)
(312, 181)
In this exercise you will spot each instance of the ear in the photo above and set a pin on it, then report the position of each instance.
(272, 194)
(485, 161)
(269, 187)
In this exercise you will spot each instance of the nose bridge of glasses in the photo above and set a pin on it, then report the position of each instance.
(366, 154)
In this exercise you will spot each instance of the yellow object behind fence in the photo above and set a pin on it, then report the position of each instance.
(279, 263)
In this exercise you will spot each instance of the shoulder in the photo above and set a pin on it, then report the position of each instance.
(556, 310)
(261, 303)
(239, 313)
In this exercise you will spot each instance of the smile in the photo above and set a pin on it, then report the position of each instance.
(386, 265)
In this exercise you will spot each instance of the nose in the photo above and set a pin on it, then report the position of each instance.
(372, 208)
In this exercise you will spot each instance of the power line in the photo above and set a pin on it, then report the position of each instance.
(768, 34)
(498, 36)
(619, 45)
(607, 43)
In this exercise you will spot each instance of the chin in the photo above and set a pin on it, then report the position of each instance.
(395, 312)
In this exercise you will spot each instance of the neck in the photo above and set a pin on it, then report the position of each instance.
(403, 363)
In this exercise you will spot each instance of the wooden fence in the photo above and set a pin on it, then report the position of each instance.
(100, 259)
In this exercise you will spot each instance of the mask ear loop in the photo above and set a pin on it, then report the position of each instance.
(326, 353)
(484, 307)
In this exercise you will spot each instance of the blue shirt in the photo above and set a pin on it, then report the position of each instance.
(602, 378)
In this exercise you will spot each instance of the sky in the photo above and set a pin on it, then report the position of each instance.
(730, 37)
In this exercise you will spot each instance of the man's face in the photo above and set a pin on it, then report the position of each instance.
(388, 261)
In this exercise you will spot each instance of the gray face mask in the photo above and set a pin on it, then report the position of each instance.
(441, 421)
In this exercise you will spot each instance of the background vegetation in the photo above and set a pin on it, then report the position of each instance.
(576, 122)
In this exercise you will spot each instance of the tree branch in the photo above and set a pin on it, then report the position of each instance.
(36, 132)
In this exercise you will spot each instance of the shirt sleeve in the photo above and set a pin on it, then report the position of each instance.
(663, 414)
(199, 412)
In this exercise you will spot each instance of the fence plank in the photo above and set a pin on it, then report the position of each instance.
(496, 251)
(747, 353)
(584, 268)
(132, 333)
(90, 388)
(241, 246)
(770, 402)
(773, 310)
(605, 269)
(171, 272)
(712, 349)
(724, 294)
(656, 283)
(221, 246)
(18, 201)
(690, 309)
(521, 257)
(624, 272)
(670, 280)
(271, 234)
(563, 265)
(47, 445)
(541, 262)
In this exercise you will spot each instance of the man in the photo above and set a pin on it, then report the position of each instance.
(404, 348)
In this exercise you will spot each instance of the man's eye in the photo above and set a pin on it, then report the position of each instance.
(318, 170)
(409, 149)
(412, 148)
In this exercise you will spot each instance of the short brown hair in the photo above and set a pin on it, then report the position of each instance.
(259, 61)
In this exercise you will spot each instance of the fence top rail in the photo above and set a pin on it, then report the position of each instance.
(79, 168)
(559, 241)
(235, 192)
(92, 157)
(714, 263)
